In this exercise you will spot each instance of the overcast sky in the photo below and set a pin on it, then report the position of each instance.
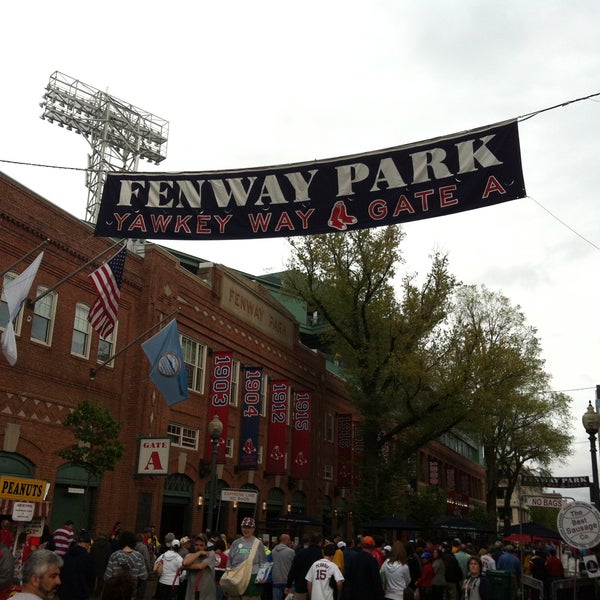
(247, 84)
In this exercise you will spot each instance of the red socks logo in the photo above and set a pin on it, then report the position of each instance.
(339, 218)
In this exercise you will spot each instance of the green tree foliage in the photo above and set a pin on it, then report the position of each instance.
(518, 418)
(97, 447)
(426, 507)
(400, 363)
(421, 361)
(546, 517)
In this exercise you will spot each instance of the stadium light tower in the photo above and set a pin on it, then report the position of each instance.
(118, 132)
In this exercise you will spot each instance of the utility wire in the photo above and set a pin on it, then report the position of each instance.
(543, 110)
(30, 164)
(520, 119)
(565, 224)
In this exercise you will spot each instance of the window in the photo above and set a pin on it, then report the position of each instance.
(235, 383)
(44, 309)
(229, 444)
(8, 277)
(329, 427)
(328, 472)
(106, 347)
(194, 355)
(182, 436)
(80, 342)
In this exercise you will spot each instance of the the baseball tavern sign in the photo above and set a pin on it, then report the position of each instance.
(442, 176)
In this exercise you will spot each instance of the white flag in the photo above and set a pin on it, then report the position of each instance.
(15, 293)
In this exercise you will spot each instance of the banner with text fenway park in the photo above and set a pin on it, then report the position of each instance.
(437, 177)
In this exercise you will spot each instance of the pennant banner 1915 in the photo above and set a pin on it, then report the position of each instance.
(437, 177)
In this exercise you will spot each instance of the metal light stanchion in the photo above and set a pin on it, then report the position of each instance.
(591, 423)
(215, 429)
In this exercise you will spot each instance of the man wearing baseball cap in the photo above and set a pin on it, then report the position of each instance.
(78, 572)
(239, 551)
(363, 579)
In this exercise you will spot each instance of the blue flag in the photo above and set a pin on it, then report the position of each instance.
(168, 368)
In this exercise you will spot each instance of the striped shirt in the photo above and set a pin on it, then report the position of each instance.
(62, 540)
(131, 561)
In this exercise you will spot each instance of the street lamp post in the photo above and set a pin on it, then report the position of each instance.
(215, 429)
(591, 423)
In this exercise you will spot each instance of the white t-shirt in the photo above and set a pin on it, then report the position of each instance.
(319, 575)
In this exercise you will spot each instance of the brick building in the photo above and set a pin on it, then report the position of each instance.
(218, 310)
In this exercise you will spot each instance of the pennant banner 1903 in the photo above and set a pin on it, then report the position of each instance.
(437, 177)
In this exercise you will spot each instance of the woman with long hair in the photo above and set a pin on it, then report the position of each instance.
(476, 586)
(395, 574)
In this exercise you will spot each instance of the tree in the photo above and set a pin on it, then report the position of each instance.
(438, 356)
(519, 420)
(96, 431)
(402, 365)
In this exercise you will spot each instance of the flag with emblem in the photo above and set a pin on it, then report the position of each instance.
(168, 371)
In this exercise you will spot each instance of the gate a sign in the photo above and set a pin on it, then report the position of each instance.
(154, 456)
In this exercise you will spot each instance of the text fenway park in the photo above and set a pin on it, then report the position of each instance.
(443, 176)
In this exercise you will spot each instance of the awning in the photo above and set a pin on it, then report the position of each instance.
(391, 523)
(299, 518)
(42, 509)
(458, 524)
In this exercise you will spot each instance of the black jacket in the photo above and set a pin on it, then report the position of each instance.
(77, 575)
(300, 565)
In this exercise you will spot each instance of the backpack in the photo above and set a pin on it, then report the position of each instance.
(7, 567)
(454, 573)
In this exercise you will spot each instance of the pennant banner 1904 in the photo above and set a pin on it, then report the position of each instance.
(438, 177)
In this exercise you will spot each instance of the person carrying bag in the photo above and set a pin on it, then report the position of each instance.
(245, 556)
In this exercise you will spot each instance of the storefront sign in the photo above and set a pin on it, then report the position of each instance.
(579, 525)
(23, 511)
(19, 488)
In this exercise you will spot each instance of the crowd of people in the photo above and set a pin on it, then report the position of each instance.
(69, 565)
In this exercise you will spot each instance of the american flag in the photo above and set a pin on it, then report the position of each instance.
(107, 281)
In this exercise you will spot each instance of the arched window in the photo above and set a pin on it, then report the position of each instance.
(15, 464)
(298, 502)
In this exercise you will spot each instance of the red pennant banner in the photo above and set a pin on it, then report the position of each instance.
(276, 450)
(344, 443)
(220, 395)
(301, 435)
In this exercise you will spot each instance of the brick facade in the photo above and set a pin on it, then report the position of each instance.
(212, 301)
(48, 380)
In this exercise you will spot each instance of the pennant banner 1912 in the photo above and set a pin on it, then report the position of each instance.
(437, 177)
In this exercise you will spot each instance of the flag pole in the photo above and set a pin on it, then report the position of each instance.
(24, 257)
(65, 279)
(139, 337)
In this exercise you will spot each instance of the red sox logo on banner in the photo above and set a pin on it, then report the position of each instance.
(278, 419)
(301, 435)
(442, 176)
(220, 396)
